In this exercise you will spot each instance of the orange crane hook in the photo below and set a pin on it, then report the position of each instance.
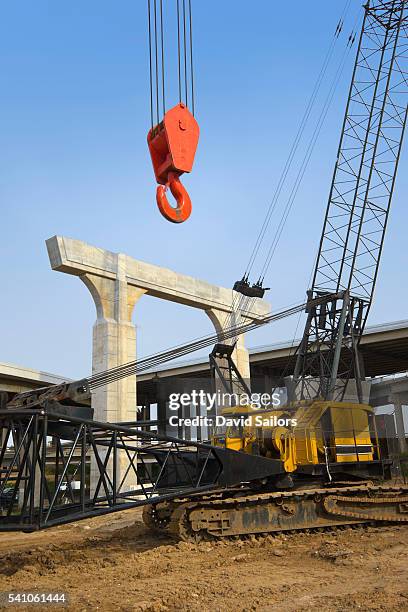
(172, 145)
(183, 209)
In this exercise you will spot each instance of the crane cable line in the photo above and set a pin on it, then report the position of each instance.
(183, 15)
(157, 57)
(303, 167)
(249, 302)
(304, 164)
(296, 142)
(191, 57)
(156, 60)
(197, 342)
(324, 113)
(185, 52)
(245, 302)
(134, 367)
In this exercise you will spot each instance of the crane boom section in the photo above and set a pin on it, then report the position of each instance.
(359, 203)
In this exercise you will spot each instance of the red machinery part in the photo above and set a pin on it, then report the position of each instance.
(172, 145)
(183, 210)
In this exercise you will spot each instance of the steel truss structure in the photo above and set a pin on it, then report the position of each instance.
(358, 207)
(42, 456)
(57, 468)
(225, 372)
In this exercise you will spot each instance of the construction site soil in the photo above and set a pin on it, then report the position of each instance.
(115, 563)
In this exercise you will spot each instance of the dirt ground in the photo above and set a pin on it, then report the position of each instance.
(115, 563)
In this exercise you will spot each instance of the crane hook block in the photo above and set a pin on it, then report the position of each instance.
(172, 145)
(183, 210)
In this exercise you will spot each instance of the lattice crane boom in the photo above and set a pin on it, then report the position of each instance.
(359, 204)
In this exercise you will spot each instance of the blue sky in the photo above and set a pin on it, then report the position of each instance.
(74, 114)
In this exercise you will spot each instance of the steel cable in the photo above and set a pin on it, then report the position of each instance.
(150, 61)
(290, 158)
(179, 48)
(305, 163)
(156, 55)
(162, 56)
(288, 163)
(185, 51)
(296, 142)
(191, 58)
(149, 362)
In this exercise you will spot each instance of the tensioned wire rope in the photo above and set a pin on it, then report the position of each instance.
(299, 179)
(244, 302)
(327, 105)
(305, 163)
(296, 142)
(157, 57)
(134, 367)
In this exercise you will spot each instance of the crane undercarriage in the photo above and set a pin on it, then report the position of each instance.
(59, 467)
(235, 513)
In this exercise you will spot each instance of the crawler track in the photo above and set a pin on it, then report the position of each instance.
(236, 514)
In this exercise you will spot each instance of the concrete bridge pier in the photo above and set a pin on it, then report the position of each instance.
(114, 342)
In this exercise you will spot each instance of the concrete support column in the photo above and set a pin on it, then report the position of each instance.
(399, 423)
(114, 342)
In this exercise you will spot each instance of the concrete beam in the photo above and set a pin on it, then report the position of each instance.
(78, 258)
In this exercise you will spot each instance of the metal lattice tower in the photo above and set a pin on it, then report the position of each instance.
(359, 203)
